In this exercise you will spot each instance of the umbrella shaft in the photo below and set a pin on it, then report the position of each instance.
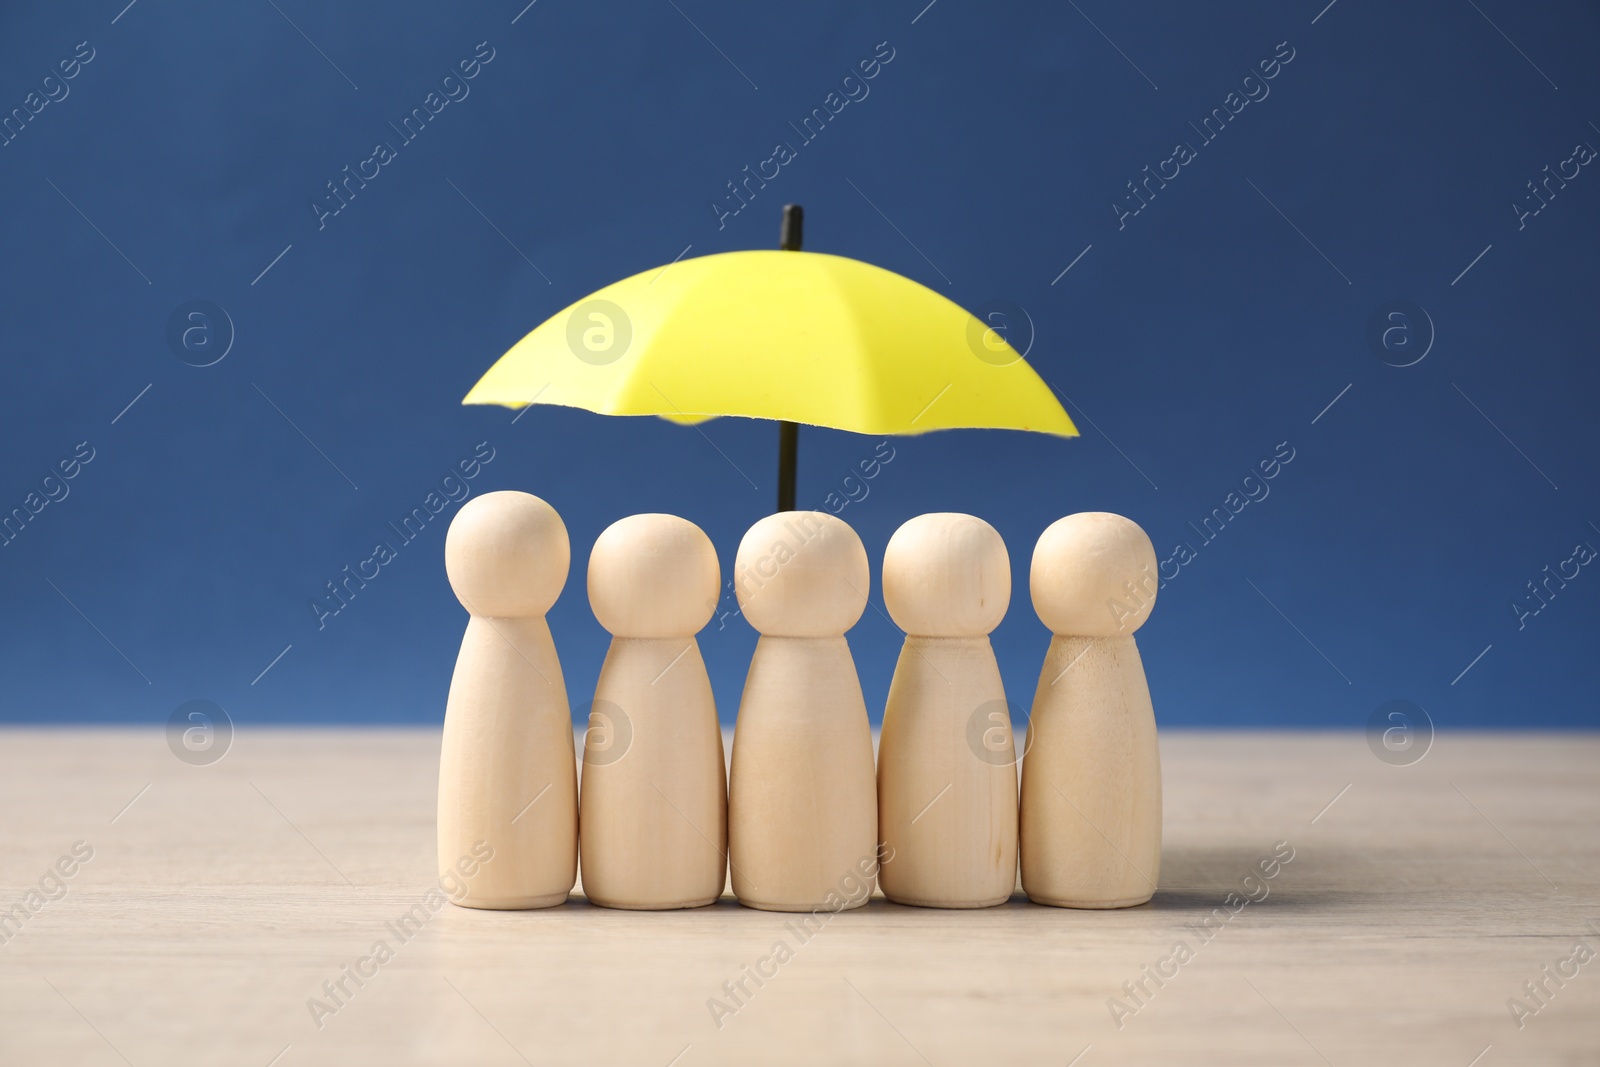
(788, 456)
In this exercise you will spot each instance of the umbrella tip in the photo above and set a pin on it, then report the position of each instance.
(789, 233)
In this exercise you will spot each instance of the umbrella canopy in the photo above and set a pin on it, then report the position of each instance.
(797, 337)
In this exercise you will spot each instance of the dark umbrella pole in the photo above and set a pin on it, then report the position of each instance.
(788, 449)
(789, 237)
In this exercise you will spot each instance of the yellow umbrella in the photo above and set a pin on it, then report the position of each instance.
(798, 337)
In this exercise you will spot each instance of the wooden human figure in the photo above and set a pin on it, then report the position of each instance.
(1091, 779)
(507, 770)
(947, 778)
(653, 817)
(802, 807)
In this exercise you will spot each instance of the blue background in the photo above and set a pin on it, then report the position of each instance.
(1216, 323)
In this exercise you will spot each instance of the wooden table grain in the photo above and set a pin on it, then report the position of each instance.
(219, 900)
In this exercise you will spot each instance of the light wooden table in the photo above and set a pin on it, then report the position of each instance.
(223, 897)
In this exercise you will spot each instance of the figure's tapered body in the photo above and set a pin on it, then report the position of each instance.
(507, 776)
(802, 813)
(1091, 784)
(947, 779)
(802, 807)
(654, 792)
(1091, 780)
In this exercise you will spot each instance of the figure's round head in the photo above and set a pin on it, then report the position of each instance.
(507, 555)
(946, 575)
(1094, 575)
(653, 576)
(801, 574)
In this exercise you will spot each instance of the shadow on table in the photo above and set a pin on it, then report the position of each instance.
(1200, 879)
